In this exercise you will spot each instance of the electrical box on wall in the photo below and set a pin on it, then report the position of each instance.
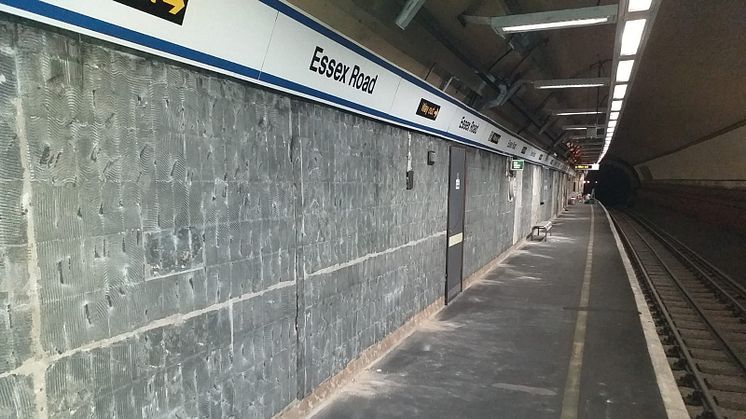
(410, 179)
(430, 158)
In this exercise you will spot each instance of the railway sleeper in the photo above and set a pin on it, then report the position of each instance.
(724, 368)
(733, 414)
(730, 400)
(723, 383)
(709, 354)
(694, 343)
(719, 308)
(695, 333)
(688, 318)
(691, 324)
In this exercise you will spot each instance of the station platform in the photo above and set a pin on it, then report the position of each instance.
(549, 332)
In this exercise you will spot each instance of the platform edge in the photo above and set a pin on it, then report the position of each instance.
(672, 400)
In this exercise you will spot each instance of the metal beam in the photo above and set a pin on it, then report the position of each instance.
(570, 83)
(555, 19)
(408, 13)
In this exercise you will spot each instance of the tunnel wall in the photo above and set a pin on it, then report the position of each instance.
(706, 180)
(175, 243)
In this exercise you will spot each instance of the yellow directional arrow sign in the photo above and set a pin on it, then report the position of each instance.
(178, 5)
(170, 10)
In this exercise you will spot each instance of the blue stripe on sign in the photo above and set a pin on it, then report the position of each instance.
(77, 19)
(323, 30)
(329, 33)
(291, 85)
(106, 28)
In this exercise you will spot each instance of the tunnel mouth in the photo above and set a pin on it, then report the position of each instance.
(612, 185)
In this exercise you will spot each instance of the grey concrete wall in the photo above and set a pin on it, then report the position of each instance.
(492, 218)
(16, 390)
(490, 213)
(373, 252)
(177, 244)
(161, 241)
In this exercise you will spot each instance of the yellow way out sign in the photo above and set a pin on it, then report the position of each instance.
(170, 10)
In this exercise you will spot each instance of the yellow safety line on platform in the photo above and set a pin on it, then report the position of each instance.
(571, 398)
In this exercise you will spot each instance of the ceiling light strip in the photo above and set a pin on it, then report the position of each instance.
(636, 18)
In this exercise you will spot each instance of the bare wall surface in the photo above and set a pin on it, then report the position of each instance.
(490, 209)
(373, 252)
(492, 205)
(718, 161)
(178, 244)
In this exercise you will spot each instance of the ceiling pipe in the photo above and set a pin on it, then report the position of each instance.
(408, 13)
(504, 94)
(428, 22)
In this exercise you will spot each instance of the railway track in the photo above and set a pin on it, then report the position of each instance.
(700, 314)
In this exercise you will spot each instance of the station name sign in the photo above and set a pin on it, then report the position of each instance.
(469, 126)
(339, 71)
(274, 44)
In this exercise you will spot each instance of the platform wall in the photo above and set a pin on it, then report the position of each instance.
(175, 243)
(501, 207)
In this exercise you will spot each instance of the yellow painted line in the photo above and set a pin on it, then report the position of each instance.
(571, 398)
(455, 239)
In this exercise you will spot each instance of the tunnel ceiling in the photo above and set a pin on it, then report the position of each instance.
(691, 81)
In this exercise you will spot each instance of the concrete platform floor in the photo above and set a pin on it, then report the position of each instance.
(502, 349)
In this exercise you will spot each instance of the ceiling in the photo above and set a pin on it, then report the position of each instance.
(691, 80)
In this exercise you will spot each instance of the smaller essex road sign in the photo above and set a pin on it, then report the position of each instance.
(170, 10)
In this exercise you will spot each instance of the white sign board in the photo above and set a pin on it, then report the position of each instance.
(274, 44)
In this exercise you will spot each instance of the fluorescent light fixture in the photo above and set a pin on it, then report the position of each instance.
(554, 25)
(612, 124)
(616, 105)
(569, 86)
(614, 116)
(639, 5)
(580, 113)
(632, 36)
(619, 91)
(624, 70)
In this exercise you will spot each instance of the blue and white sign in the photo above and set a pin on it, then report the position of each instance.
(273, 44)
